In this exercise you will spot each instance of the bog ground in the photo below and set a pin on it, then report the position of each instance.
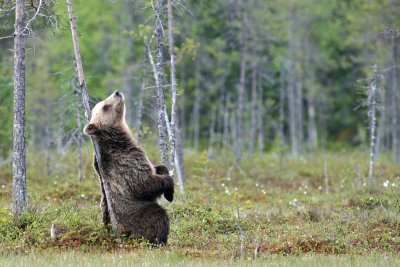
(285, 216)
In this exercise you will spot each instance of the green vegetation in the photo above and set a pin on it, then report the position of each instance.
(283, 211)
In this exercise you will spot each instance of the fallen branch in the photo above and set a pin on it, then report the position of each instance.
(85, 98)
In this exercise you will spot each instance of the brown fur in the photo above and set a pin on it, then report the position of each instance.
(135, 184)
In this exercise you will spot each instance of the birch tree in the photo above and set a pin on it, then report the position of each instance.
(174, 134)
(372, 92)
(159, 77)
(19, 195)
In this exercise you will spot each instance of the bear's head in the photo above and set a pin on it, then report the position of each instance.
(107, 114)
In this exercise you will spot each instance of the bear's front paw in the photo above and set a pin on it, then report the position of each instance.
(169, 188)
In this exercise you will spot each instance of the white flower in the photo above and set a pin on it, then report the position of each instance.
(386, 183)
(3, 186)
(223, 184)
(293, 202)
(319, 187)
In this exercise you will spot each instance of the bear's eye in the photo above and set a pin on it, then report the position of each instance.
(106, 107)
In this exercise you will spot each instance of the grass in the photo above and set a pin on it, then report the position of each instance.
(272, 210)
(169, 258)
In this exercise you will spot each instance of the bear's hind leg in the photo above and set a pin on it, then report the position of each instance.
(152, 223)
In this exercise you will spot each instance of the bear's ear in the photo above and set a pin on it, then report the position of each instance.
(90, 129)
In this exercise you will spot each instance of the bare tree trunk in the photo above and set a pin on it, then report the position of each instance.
(282, 107)
(174, 108)
(312, 128)
(372, 122)
(260, 117)
(196, 109)
(225, 131)
(162, 124)
(242, 82)
(381, 133)
(179, 155)
(254, 105)
(79, 134)
(139, 111)
(291, 90)
(211, 141)
(85, 96)
(19, 194)
(394, 108)
(326, 176)
(299, 109)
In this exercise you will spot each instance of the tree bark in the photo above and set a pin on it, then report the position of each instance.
(19, 195)
(372, 122)
(85, 97)
(173, 89)
(174, 133)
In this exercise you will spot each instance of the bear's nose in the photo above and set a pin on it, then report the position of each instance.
(117, 93)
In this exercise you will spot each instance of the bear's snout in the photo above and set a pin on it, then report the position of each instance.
(117, 93)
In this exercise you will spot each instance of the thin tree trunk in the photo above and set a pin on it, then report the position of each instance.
(139, 111)
(19, 195)
(299, 108)
(196, 109)
(174, 108)
(326, 175)
(380, 138)
(260, 119)
(79, 135)
(241, 87)
(225, 131)
(162, 123)
(211, 141)
(254, 106)
(394, 108)
(372, 122)
(291, 90)
(312, 128)
(282, 107)
(86, 102)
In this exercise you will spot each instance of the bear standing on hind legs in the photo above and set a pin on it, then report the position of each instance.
(135, 184)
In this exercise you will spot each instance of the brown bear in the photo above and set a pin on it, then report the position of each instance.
(135, 184)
